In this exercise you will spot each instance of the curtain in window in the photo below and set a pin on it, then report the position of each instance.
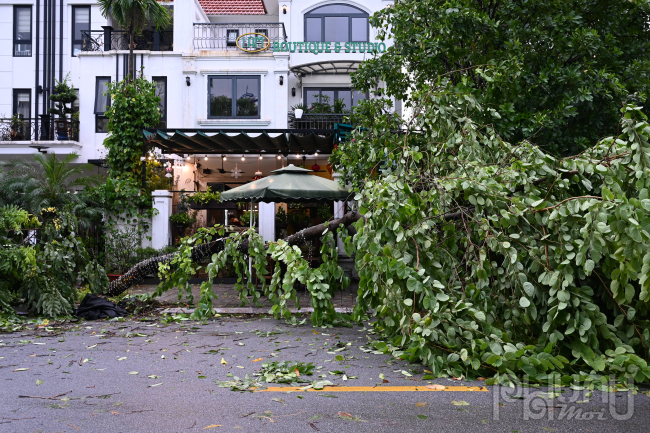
(23, 105)
(81, 22)
(24, 24)
(102, 101)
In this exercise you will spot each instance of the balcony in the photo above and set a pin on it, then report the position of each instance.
(109, 39)
(317, 120)
(43, 129)
(223, 36)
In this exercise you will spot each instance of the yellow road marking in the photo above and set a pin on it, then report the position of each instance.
(373, 389)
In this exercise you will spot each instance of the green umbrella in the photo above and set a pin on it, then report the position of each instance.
(288, 184)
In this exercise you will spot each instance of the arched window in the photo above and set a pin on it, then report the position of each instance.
(336, 23)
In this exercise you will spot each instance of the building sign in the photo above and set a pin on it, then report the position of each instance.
(257, 42)
(253, 42)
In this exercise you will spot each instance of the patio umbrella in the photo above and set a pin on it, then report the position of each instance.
(288, 184)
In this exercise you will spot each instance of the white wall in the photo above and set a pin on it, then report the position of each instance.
(186, 106)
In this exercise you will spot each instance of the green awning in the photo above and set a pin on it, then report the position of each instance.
(257, 141)
(289, 184)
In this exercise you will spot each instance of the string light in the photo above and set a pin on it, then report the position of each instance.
(243, 158)
(279, 156)
(225, 158)
(206, 158)
(316, 153)
(260, 156)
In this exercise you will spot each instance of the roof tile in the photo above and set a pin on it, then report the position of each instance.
(233, 7)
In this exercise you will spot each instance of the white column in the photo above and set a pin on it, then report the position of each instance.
(281, 103)
(161, 234)
(267, 221)
(285, 18)
(339, 211)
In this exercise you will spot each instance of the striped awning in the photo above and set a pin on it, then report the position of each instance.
(227, 142)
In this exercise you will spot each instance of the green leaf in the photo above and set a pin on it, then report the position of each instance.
(529, 289)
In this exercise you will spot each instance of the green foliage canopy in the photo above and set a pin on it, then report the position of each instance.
(44, 271)
(49, 181)
(551, 71)
(486, 258)
(134, 106)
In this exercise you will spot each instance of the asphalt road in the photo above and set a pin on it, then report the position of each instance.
(135, 376)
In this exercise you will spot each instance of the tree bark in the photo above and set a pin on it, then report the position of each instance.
(316, 231)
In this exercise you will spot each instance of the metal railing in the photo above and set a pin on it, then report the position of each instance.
(316, 121)
(109, 39)
(48, 129)
(223, 36)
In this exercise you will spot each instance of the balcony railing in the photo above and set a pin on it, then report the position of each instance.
(223, 36)
(316, 121)
(109, 39)
(48, 129)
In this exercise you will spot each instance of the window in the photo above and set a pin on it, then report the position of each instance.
(22, 31)
(75, 104)
(23, 103)
(336, 23)
(22, 107)
(161, 92)
(80, 22)
(234, 97)
(231, 37)
(102, 102)
(332, 100)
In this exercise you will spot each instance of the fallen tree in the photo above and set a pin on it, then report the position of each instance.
(201, 251)
(481, 258)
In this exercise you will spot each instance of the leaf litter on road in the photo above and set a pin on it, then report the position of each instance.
(349, 417)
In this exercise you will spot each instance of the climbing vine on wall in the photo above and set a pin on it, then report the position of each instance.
(134, 106)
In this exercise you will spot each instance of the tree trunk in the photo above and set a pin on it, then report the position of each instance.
(150, 266)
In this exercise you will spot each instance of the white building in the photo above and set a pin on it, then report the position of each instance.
(228, 72)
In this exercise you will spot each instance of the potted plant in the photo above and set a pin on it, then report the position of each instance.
(17, 127)
(245, 219)
(298, 110)
(63, 96)
(281, 219)
(324, 212)
(202, 199)
(181, 221)
(299, 220)
(339, 106)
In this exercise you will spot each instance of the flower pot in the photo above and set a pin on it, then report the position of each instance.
(113, 277)
(61, 130)
(17, 135)
(298, 113)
